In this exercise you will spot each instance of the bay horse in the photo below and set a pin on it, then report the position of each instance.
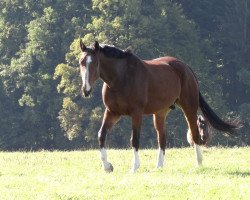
(136, 87)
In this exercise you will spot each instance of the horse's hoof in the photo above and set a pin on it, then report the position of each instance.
(134, 168)
(159, 166)
(108, 167)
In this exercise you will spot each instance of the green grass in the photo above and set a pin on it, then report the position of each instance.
(78, 175)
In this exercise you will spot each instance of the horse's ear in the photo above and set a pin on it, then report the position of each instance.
(82, 46)
(97, 46)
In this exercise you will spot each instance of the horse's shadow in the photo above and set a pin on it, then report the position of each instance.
(207, 170)
(239, 173)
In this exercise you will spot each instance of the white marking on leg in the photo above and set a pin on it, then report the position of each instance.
(105, 164)
(135, 162)
(88, 61)
(198, 154)
(160, 158)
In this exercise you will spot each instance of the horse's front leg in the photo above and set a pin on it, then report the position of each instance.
(109, 119)
(135, 140)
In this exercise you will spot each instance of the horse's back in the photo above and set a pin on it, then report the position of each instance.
(171, 62)
(184, 72)
(166, 59)
(172, 80)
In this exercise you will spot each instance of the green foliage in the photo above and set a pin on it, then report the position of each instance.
(27, 74)
(226, 24)
(71, 118)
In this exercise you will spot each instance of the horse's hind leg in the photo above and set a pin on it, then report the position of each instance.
(109, 119)
(159, 124)
(198, 154)
(197, 148)
(190, 107)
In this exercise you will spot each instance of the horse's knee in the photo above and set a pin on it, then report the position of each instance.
(193, 135)
(102, 137)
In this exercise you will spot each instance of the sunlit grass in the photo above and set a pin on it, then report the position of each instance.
(78, 175)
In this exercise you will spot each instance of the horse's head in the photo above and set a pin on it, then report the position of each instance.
(203, 128)
(89, 67)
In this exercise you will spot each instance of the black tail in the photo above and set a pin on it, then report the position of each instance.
(215, 121)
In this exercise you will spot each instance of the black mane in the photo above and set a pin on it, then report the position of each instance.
(113, 52)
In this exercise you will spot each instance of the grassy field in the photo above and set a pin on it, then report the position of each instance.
(78, 175)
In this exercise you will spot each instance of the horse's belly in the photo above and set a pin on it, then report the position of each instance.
(158, 105)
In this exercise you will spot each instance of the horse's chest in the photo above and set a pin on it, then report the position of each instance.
(116, 102)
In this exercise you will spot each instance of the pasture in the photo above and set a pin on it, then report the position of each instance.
(225, 174)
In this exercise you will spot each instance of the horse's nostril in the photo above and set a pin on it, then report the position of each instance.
(87, 93)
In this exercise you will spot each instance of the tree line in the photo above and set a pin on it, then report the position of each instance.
(39, 72)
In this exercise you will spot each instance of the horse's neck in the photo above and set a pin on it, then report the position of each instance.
(112, 71)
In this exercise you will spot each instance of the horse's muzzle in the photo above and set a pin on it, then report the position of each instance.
(86, 93)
